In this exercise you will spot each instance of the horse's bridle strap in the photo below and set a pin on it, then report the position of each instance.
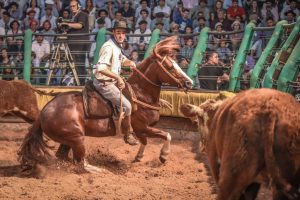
(145, 77)
(145, 104)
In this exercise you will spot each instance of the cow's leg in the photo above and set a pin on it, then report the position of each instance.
(63, 152)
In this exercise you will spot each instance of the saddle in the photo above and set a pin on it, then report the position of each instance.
(97, 107)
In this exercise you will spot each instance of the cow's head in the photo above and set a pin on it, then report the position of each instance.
(203, 116)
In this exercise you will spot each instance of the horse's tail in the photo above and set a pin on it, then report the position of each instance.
(34, 149)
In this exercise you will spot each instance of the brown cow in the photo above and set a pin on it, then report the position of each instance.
(18, 97)
(250, 139)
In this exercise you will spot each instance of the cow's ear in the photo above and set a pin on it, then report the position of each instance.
(189, 110)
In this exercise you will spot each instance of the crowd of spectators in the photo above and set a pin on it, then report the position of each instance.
(143, 16)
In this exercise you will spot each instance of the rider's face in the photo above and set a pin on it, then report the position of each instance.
(119, 35)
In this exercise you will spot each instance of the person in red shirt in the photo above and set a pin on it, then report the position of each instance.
(235, 10)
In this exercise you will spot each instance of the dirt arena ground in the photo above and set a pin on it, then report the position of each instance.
(183, 176)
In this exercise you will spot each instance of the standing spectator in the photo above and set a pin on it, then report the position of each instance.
(41, 50)
(236, 38)
(128, 13)
(144, 16)
(48, 16)
(143, 6)
(163, 8)
(184, 21)
(202, 7)
(15, 28)
(269, 10)
(91, 9)
(34, 7)
(293, 7)
(211, 75)
(137, 42)
(79, 24)
(236, 10)
(187, 50)
(14, 11)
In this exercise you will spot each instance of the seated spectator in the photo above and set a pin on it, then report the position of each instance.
(143, 6)
(187, 50)
(183, 63)
(48, 16)
(218, 7)
(221, 17)
(290, 16)
(201, 25)
(41, 50)
(177, 11)
(141, 40)
(111, 8)
(65, 14)
(224, 53)
(30, 17)
(236, 38)
(214, 39)
(135, 57)
(34, 7)
(128, 13)
(104, 14)
(269, 10)
(14, 11)
(236, 10)
(253, 13)
(144, 15)
(118, 16)
(159, 17)
(160, 26)
(211, 75)
(228, 3)
(187, 31)
(15, 28)
(5, 21)
(19, 63)
(201, 7)
(291, 7)
(47, 29)
(6, 61)
(184, 21)
(162, 8)
(174, 28)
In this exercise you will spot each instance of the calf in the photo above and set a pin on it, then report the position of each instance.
(250, 139)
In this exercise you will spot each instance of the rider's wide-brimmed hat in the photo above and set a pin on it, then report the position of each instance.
(121, 24)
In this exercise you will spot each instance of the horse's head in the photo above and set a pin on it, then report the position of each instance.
(168, 70)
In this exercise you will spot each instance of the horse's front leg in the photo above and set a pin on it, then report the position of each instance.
(151, 132)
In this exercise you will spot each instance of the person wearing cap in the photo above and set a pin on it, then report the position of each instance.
(107, 73)
(79, 25)
(141, 42)
(49, 16)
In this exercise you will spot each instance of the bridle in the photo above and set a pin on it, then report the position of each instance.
(160, 64)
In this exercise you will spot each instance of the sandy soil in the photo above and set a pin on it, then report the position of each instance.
(183, 176)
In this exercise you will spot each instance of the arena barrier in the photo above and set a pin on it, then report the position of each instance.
(175, 98)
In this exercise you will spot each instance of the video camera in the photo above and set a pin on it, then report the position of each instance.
(62, 28)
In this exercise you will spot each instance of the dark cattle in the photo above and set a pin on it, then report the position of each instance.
(18, 97)
(250, 139)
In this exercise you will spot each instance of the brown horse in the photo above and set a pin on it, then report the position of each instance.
(63, 119)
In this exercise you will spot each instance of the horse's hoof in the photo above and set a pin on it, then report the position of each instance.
(136, 160)
(162, 159)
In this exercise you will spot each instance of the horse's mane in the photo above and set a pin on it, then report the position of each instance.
(161, 49)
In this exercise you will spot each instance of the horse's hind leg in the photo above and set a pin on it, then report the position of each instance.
(63, 152)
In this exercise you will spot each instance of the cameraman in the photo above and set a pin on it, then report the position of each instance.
(79, 24)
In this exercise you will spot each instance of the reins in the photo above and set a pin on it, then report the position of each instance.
(145, 77)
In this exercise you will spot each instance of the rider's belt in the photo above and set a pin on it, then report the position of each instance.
(105, 81)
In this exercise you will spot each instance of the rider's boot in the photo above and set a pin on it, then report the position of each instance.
(129, 136)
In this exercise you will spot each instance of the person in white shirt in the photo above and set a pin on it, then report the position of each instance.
(137, 42)
(48, 16)
(107, 74)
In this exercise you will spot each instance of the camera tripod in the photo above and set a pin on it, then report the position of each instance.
(60, 58)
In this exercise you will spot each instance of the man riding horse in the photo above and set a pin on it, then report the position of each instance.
(107, 74)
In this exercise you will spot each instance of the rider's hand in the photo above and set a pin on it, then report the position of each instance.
(120, 83)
